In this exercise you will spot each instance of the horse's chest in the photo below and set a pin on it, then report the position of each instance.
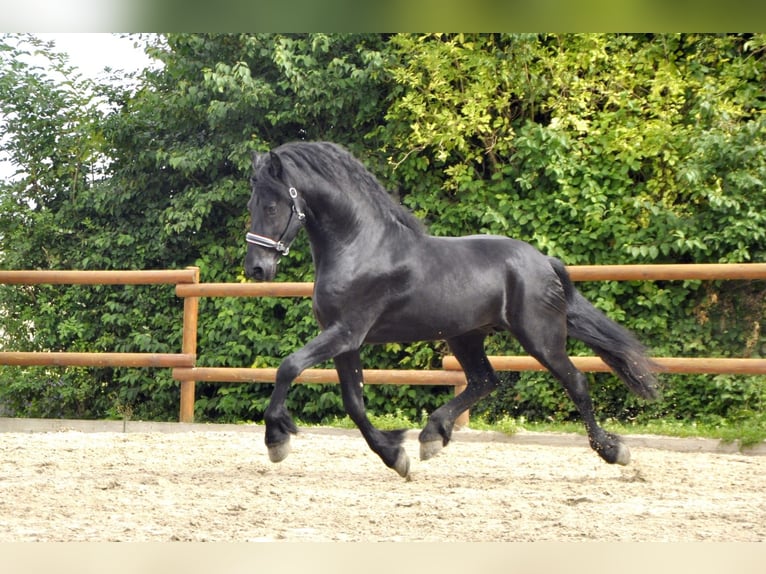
(341, 301)
(359, 299)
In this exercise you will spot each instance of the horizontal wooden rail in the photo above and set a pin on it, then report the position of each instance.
(185, 278)
(55, 359)
(280, 289)
(122, 277)
(681, 272)
(322, 376)
(713, 366)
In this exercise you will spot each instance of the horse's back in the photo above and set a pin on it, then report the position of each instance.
(459, 284)
(493, 254)
(505, 268)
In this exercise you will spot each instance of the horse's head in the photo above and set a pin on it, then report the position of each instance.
(276, 216)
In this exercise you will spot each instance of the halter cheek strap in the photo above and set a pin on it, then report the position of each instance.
(297, 219)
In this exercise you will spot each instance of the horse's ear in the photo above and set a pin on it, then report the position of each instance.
(275, 165)
(257, 159)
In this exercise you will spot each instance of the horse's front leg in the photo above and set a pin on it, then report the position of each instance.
(279, 423)
(386, 444)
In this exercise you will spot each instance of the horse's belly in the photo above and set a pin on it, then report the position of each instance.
(435, 319)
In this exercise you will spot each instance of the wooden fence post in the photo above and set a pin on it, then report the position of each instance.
(189, 347)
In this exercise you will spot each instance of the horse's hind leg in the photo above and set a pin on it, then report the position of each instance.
(481, 378)
(607, 445)
(543, 335)
(386, 444)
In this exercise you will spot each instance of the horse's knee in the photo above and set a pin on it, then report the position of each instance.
(287, 371)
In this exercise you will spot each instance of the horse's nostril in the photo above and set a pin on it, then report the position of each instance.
(254, 272)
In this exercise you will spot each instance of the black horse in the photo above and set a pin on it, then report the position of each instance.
(379, 277)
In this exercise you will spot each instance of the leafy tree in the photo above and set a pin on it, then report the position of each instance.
(597, 149)
(50, 133)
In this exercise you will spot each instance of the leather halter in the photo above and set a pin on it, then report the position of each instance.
(297, 219)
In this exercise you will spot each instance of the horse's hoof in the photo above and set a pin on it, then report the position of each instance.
(623, 455)
(430, 449)
(402, 464)
(279, 452)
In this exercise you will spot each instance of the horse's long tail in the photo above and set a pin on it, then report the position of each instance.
(617, 346)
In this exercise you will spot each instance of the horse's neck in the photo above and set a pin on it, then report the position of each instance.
(344, 239)
(338, 235)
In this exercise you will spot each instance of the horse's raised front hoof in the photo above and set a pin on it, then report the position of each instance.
(402, 464)
(431, 448)
(279, 452)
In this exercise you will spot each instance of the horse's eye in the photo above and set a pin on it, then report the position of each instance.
(271, 209)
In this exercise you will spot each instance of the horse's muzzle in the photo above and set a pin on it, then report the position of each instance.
(260, 268)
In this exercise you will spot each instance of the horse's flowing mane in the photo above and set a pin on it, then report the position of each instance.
(335, 164)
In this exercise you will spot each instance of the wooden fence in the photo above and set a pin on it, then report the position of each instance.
(186, 358)
(188, 287)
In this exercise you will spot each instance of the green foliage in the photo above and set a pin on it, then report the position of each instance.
(596, 148)
(600, 149)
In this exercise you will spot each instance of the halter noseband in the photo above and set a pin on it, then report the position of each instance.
(282, 245)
